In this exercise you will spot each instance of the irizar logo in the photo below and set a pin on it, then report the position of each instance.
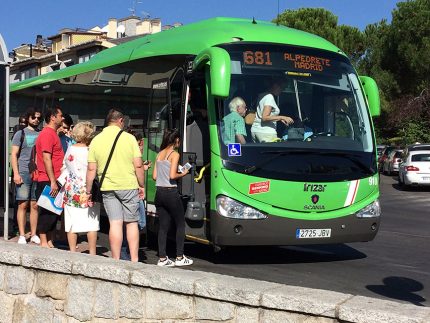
(314, 187)
(314, 198)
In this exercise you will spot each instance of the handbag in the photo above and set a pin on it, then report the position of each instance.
(96, 193)
(32, 165)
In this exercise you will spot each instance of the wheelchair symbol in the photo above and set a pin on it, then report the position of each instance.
(234, 150)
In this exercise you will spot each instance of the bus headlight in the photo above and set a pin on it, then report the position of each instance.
(373, 210)
(233, 209)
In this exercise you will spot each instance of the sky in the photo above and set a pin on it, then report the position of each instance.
(22, 20)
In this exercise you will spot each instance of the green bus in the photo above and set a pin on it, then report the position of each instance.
(316, 183)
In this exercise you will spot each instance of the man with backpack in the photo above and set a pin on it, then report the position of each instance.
(22, 123)
(22, 150)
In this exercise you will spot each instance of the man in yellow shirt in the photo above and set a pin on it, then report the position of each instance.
(123, 184)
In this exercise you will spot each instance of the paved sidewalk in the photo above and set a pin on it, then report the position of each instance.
(60, 240)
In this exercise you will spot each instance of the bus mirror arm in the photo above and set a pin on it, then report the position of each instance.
(372, 94)
(219, 62)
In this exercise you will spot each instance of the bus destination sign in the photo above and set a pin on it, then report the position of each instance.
(307, 62)
(288, 60)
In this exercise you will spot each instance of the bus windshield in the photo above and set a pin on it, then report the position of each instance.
(300, 114)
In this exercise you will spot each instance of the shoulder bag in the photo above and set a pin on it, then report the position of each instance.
(96, 193)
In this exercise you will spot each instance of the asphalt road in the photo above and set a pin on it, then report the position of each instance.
(394, 266)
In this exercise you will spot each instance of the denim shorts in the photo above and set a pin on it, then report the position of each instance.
(122, 205)
(27, 190)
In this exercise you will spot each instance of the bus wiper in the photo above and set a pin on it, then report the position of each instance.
(276, 154)
(360, 164)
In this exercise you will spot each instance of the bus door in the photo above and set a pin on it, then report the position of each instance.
(196, 146)
(179, 97)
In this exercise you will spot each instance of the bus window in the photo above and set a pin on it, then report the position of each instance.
(159, 113)
(327, 108)
(197, 129)
(176, 89)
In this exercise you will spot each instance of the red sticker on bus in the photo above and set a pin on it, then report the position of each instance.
(260, 187)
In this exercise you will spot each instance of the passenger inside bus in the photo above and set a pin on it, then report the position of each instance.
(233, 129)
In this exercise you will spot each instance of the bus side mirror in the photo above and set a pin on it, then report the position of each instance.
(219, 61)
(372, 93)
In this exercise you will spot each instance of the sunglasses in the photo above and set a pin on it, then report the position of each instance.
(38, 118)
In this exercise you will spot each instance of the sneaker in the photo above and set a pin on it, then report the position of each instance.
(184, 261)
(22, 240)
(165, 263)
(35, 239)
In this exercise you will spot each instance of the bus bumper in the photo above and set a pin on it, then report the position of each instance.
(277, 230)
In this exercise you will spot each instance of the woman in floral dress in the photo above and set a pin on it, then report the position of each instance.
(79, 214)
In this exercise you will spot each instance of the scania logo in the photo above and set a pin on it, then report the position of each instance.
(313, 207)
(315, 198)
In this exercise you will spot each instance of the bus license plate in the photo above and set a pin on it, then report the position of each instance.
(313, 233)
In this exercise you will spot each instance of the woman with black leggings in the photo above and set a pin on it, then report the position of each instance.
(168, 201)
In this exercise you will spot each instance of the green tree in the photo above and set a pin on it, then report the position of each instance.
(373, 62)
(410, 117)
(314, 20)
(396, 55)
(323, 23)
(408, 46)
(399, 60)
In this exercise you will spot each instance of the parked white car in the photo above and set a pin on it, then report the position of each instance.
(415, 147)
(415, 169)
(391, 164)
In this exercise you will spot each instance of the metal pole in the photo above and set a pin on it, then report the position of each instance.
(6, 160)
(5, 61)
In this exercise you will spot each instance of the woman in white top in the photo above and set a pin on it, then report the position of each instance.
(80, 215)
(264, 127)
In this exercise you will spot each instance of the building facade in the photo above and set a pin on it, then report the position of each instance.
(74, 46)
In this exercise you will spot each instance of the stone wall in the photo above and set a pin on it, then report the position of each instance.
(41, 285)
